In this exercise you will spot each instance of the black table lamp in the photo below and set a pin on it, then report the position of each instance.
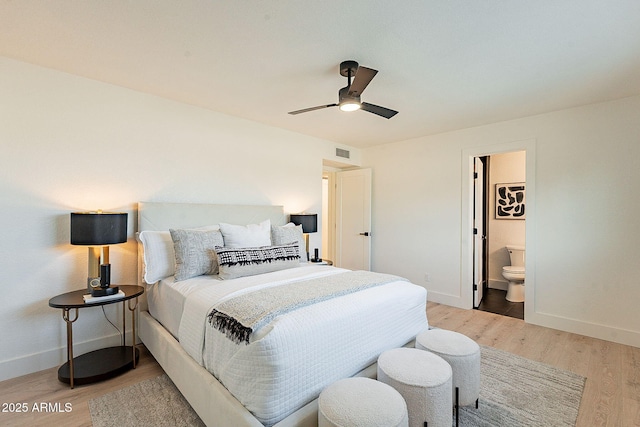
(98, 230)
(309, 223)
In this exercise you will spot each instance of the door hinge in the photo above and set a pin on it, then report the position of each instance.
(475, 287)
(475, 175)
(475, 231)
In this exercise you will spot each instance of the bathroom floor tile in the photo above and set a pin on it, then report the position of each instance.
(494, 301)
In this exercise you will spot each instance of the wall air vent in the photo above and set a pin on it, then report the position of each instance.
(342, 153)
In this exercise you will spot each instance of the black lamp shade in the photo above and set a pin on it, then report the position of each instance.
(98, 228)
(309, 222)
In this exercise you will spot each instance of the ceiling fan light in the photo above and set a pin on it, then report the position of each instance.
(350, 106)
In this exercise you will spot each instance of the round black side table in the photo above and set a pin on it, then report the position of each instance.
(100, 364)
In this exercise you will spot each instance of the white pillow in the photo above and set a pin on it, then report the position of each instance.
(246, 236)
(158, 256)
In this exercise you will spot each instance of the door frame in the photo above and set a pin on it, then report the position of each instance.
(483, 281)
(466, 232)
(329, 233)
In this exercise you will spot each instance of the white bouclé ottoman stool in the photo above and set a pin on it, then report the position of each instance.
(424, 381)
(463, 354)
(361, 402)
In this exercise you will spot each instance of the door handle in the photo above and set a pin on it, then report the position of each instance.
(366, 233)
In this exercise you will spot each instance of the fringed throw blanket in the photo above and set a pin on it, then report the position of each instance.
(238, 317)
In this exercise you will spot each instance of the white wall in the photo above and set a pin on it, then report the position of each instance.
(504, 168)
(582, 249)
(70, 144)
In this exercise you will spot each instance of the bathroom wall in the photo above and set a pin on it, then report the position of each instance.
(503, 168)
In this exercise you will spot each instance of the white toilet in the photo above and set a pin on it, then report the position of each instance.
(514, 273)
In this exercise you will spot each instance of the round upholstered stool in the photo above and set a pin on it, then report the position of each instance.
(424, 380)
(463, 354)
(361, 402)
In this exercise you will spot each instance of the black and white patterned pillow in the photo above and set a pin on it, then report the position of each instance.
(240, 262)
(195, 252)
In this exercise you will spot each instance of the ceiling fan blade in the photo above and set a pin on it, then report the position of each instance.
(376, 109)
(363, 76)
(319, 107)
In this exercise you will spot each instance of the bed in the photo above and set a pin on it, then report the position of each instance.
(274, 378)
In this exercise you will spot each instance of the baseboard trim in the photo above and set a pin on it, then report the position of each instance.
(35, 362)
(503, 285)
(593, 330)
(446, 299)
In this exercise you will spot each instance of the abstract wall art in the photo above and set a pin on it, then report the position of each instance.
(510, 201)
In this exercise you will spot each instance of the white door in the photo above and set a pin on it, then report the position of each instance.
(478, 231)
(353, 219)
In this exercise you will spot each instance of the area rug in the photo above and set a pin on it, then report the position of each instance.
(514, 392)
(519, 392)
(152, 402)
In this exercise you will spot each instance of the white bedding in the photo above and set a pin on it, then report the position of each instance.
(289, 361)
(166, 299)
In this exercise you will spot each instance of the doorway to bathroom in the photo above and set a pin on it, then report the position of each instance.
(499, 218)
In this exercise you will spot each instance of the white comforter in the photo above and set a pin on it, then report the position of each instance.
(289, 361)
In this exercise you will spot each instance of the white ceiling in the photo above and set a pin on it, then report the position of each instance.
(443, 65)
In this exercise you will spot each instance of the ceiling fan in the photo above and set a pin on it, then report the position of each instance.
(349, 96)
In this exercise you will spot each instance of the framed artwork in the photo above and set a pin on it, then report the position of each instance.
(510, 201)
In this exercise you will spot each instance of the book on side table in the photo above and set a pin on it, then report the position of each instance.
(88, 299)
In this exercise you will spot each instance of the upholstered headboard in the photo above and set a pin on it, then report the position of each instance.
(162, 216)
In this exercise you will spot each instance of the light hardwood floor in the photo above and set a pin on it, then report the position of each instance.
(611, 396)
(44, 387)
(612, 389)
